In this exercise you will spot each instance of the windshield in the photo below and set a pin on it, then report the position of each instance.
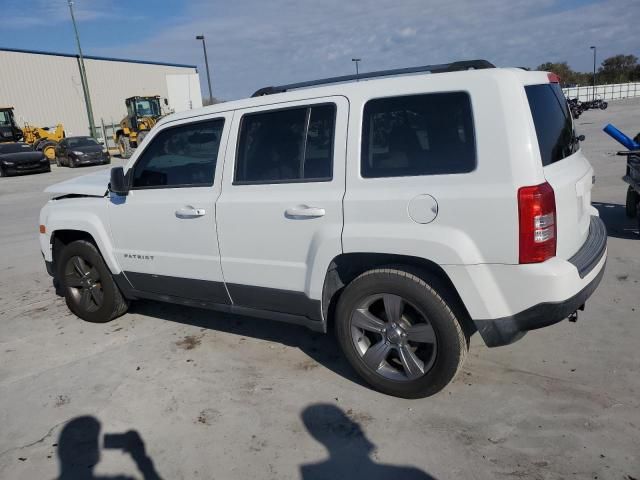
(81, 142)
(552, 119)
(148, 107)
(14, 148)
(5, 119)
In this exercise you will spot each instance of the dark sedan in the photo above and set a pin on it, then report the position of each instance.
(76, 151)
(16, 158)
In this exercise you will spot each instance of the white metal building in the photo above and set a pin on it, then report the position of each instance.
(45, 88)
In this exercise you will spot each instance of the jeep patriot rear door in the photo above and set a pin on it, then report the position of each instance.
(280, 211)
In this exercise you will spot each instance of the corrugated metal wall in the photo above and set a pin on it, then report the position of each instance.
(46, 89)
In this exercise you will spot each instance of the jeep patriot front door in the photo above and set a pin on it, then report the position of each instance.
(164, 230)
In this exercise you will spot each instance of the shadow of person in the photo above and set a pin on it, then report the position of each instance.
(79, 451)
(349, 449)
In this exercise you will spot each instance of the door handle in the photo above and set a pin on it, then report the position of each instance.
(190, 212)
(304, 211)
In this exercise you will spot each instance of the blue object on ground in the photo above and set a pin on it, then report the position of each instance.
(620, 137)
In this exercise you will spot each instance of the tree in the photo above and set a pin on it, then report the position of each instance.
(618, 69)
(564, 71)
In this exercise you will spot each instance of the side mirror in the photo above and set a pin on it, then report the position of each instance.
(581, 138)
(118, 183)
(166, 102)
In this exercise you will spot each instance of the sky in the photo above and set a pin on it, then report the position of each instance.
(256, 43)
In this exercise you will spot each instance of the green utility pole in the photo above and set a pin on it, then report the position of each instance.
(83, 76)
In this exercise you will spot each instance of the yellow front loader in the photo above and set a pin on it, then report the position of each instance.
(43, 139)
(142, 114)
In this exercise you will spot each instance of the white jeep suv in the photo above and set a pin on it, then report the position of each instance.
(405, 211)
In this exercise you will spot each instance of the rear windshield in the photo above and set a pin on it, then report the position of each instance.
(552, 119)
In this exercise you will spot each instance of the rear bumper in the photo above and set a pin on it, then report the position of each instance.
(506, 330)
(101, 160)
(506, 301)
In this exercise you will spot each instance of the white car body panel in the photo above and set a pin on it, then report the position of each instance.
(93, 184)
(84, 214)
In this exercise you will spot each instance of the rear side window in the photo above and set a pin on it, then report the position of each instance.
(430, 134)
(183, 156)
(290, 145)
(552, 120)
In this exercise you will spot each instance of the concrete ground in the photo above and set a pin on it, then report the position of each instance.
(219, 396)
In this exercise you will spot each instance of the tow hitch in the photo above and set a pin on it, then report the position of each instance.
(574, 316)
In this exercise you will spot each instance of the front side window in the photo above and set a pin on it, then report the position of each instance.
(429, 134)
(183, 156)
(5, 119)
(290, 145)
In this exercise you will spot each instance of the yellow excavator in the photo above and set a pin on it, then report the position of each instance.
(43, 139)
(142, 114)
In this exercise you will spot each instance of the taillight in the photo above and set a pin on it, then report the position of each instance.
(553, 78)
(537, 213)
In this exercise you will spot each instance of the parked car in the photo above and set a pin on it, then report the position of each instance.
(402, 211)
(76, 151)
(17, 158)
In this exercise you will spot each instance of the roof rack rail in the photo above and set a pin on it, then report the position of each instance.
(440, 68)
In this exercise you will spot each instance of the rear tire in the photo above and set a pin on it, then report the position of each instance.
(3, 173)
(88, 286)
(631, 208)
(410, 348)
(124, 145)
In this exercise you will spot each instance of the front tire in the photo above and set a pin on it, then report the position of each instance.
(399, 333)
(88, 286)
(48, 148)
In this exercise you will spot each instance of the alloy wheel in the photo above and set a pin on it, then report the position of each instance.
(393, 337)
(83, 281)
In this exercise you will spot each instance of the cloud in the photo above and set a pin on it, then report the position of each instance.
(253, 43)
(407, 32)
(19, 14)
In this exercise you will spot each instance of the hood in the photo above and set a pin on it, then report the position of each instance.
(94, 184)
(22, 157)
